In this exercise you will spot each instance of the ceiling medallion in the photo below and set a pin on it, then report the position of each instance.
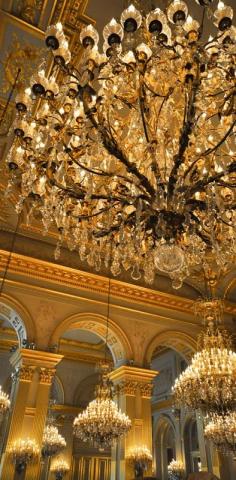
(209, 382)
(102, 424)
(135, 145)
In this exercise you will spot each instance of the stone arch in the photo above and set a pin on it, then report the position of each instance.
(19, 317)
(178, 341)
(117, 340)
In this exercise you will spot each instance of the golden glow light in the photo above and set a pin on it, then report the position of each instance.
(4, 401)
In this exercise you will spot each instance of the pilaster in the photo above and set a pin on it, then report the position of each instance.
(134, 391)
(34, 371)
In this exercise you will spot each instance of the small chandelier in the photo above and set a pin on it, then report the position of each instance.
(53, 442)
(221, 430)
(140, 458)
(175, 470)
(135, 144)
(4, 402)
(60, 468)
(209, 382)
(23, 452)
(102, 424)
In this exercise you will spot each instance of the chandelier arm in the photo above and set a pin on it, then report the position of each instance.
(106, 209)
(112, 148)
(81, 196)
(87, 169)
(209, 151)
(141, 104)
(185, 135)
(213, 149)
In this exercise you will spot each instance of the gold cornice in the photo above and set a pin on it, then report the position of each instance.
(164, 404)
(69, 277)
(36, 358)
(58, 274)
(133, 374)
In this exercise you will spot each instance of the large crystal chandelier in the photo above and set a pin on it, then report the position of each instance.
(23, 452)
(135, 145)
(102, 424)
(221, 430)
(209, 382)
(4, 402)
(53, 442)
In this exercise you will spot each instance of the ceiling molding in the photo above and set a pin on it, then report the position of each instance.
(69, 277)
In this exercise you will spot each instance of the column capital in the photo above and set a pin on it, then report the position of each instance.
(35, 358)
(130, 379)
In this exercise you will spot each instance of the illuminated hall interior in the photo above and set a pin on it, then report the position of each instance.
(117, 240)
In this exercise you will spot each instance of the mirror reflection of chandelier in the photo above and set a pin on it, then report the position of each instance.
(102, 424)
(209, 382)
(135, 144)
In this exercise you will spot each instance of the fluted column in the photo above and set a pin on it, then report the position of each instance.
(34, 373)
(134, 386)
